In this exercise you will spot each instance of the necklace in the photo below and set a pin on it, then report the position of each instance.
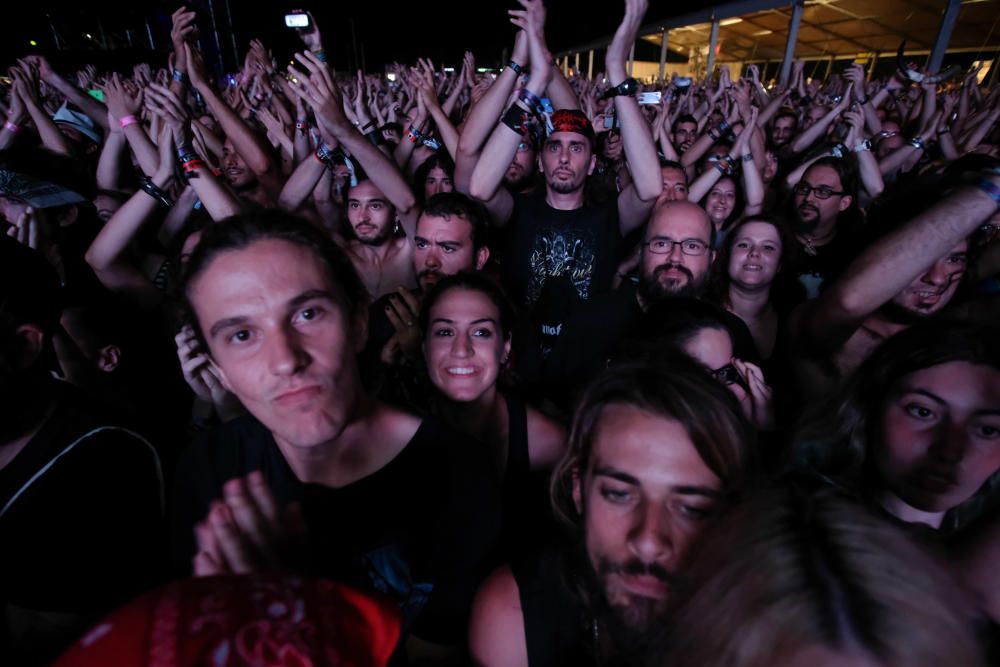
(809, 243)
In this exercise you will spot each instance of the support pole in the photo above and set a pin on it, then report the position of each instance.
(793, 36)
(663, 52)
(944, 35)
(713, 42)
(590, 64)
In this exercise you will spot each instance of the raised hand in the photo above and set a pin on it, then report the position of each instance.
(121, 102)
(316, 86)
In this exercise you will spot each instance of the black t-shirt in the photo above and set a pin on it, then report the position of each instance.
(554, 259)
(81, 526)
(816, 270)
(424, 528)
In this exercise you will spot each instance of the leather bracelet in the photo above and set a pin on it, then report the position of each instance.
(156, 193)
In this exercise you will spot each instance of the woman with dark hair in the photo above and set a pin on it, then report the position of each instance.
(746, 269)
(435, 174)
(468, 326)
(811, 579)
(917, 428)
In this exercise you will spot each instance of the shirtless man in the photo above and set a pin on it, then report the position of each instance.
(377, 207)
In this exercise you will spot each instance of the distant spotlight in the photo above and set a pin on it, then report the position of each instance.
(32, 42)
(391, 76)
(449, 69)
(88, 35)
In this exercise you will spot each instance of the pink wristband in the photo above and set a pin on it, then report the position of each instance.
(125, 121)
(12, 127)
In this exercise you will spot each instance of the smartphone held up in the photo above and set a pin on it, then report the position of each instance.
(297, 20)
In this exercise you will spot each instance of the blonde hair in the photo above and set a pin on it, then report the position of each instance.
(791, 569)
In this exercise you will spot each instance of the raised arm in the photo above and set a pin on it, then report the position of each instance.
(322, 93)
(868, 171)
(503, 143)
(890, 264)
(107, 255)
(635, 201)
(252, 147)
(818, 129)
(90, 106)
(26, 87)
(124, 107)
(483, 115)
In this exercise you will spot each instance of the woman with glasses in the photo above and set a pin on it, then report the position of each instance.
(706, 333)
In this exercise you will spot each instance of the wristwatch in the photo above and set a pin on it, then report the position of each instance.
(865, 145)
(627, 87)
(840, 150)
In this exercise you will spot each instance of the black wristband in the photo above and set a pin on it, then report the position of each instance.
(375, 137)
(516, 119)
(517, 68)
(156, 193)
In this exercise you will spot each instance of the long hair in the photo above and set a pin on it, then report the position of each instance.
(720, 280)
(837, 438)
(791, 569)
(679, 389)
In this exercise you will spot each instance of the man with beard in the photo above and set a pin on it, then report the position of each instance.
(823, 195)
(674, 261)
(684, 132)
(81, 499)
(381, 210)
(561, 251)
(909, 274)
(654, 452)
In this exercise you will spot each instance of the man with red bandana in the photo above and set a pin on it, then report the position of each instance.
(560, 251)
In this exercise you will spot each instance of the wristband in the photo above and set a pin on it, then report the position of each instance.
(531, 101)
(156, 193)
(991, 189)
(748, 157)
(946, 130)
(723, 168)
(713, 135)
(320, 55)
(917, 142)
(324, 154)
(516, 119)
(192, 166)
(864, 100)
(730, 163)
(14, 128)
(125, 121)
(375, 137)
(414, 135)
(179, 76)
(839, 150)
(301, 126)
(514, 66)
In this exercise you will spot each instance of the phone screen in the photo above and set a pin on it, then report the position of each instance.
(297, 20)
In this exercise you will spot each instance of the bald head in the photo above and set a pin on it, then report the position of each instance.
(677, 253)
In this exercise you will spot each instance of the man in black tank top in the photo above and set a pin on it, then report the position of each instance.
(653, 454)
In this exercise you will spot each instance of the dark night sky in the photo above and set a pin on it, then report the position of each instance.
(385, 31)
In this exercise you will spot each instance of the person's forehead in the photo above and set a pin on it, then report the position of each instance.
(655, 449)
(365, 190)
(686, 126)
(265, 269)
(437, 172)
(758, 231)
(822, 175)
(460, 303)
(680, 222)
(567, 138)
(440, 228)
(960, 384)
(724, 186)
(673, 175)
(784, 120)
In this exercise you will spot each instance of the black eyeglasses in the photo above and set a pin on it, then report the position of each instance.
(728, 375)
(822, 192)
(662, 245)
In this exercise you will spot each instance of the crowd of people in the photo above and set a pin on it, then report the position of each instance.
(554, 375)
